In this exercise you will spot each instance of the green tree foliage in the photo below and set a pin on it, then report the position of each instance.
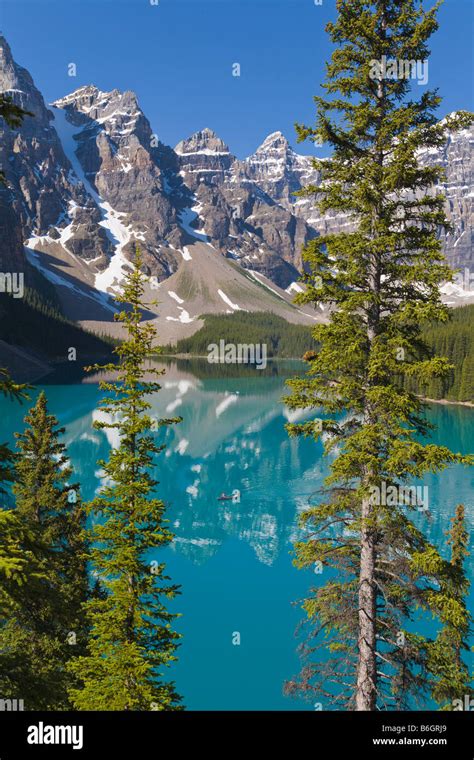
(382, 280)
(11, 113)
(282, 339)
(45, 625)
(36, 323)
(14, 564)
(452, 679)
(131, 640)
(15, 392)
(453, 339)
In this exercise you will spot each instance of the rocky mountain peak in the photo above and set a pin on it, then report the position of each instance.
(99, 106)
(16, 82)
(113, 150)
(203, 158)
(206, 142)
(36, 167)
(275, 141)
(277, 169)
(5, 51)
(86, 94)
(6, 57)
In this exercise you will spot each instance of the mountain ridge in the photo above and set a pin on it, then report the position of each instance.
(88, 179)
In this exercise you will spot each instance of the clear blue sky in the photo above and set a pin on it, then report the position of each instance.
(178, 55)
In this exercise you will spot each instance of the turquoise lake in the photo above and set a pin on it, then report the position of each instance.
(234, 560)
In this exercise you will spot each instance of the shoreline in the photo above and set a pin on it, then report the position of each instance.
(51, 369)
(447, 402)
(205, 356)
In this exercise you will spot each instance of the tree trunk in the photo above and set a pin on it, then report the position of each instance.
(366, 665)
(366, 689)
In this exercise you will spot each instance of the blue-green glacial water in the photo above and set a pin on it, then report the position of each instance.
(234, 560)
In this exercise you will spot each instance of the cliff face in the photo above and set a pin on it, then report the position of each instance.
(45, 193)
(246, 207)
(457, 159)
(12, 257)
(125, 168)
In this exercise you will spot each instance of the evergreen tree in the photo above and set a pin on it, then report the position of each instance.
(45, 495)
(45, 625)
(382, 281)
(131, 639)
(453, 683)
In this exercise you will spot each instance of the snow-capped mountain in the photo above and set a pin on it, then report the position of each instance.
(278, 170)
(41, 184)
(457, 159)
(242, 220)
(204, 152)
(88, 178)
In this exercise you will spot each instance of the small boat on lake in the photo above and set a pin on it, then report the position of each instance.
(234, 496)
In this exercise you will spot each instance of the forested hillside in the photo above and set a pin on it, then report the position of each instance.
(36, 323)
(455, 341)
(283, 340)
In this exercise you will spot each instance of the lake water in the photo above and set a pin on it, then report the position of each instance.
(234, 560)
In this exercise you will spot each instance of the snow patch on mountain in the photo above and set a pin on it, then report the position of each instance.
(35, 259)
(175, 296)
(202, 152)
(227, 300)
(187, 217)
(295, 287)
(184, 317)
(117, 232)
(454, 294)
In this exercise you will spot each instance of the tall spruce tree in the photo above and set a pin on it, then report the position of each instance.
(46, 625)
(382, 280)
(131, 640)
